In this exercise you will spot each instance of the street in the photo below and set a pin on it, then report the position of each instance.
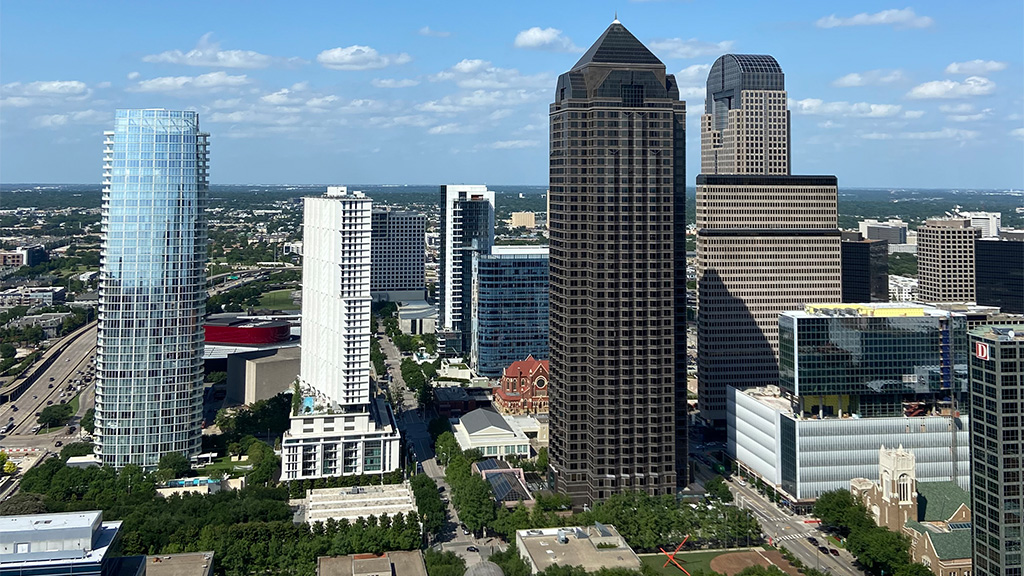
(69, 365)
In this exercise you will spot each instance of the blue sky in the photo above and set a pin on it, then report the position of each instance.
(882, 94)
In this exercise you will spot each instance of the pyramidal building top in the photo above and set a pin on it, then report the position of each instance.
(618, 46)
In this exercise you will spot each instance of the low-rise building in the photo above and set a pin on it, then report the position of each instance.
(79, 543)
(454, 401)
(188, 564)
(492, 434)
(508, 484)
(934, 516)
(523, 388)
(354, 502)
(261, 374)
(198, 485)
(522, 220)
(390, 563)
(902, 288)
(592, 547)
(32, 296)
(417, 317)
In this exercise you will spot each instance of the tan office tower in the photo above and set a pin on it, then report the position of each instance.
(767, 241)
(945, 260)
(617, 170)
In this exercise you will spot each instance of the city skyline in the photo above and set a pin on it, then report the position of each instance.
(882, 95)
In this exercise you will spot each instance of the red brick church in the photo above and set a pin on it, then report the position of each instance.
(523, 388)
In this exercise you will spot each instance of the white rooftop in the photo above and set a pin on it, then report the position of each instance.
(520, 250)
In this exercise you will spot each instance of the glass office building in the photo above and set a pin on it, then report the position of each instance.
(872, 359)
(149, 387)
(509, 307)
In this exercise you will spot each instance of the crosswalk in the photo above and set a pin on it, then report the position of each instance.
(789, 537)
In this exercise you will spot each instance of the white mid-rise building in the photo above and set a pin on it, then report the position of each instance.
(988, 222)
(341, 427)
(902, 288)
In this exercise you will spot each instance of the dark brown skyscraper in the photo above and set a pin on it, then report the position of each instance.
(617, 254)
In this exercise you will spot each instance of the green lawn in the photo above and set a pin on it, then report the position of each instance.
(222, 465)
(278, 299)
(689, 560)
(74, 404)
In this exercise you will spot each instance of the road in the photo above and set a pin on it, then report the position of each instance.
(786, 529)
(71, 364)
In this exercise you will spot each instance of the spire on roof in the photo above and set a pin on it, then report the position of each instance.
(616, 21)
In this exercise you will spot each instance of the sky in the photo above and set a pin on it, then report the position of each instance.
(882, 94)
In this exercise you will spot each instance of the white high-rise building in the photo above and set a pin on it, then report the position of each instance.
(341, 427)
(988, 222)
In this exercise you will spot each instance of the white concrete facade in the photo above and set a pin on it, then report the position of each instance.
(341, 428)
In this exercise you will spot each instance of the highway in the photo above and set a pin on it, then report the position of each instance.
(71, 364)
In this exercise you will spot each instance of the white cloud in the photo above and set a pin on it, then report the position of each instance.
(208, 53)
(815, 106)
(975, 67)
(451, 128)
(426, 31)
(359, 58)
(545, 39)
(212, 81)
(48, 88)
(15, 102)
(133, 75)
(499, 114)
(474, 74)
(905, 18)
(280, 97)
(829, 124)
(80, 117)
(964, 108)
(696, 74)
(1017, 133)
(971, 86)
(104, 85)
(513, 144)
(692, 48)
(226, 103)
(944, 134)
(869, 78)
(321, 102)
(913, 114)
(980, 115)
(418, 120)
(876, 136)
(394, 83)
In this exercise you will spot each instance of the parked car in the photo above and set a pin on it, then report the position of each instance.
(71, 429)
(58, 443)
(833, 551)
(49, 402)
(812, 540)
(472, 549)
(823, 549)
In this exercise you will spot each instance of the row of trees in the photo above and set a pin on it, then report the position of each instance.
(417, 380)
(878, 549)
(428, 502)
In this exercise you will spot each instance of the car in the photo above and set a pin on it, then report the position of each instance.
(833, 551)
(14, 408)
(823, 549)
(472, 549)
(50, 386)
(39, 414)
(71, 429)
(49, 402)
(58, 443)
(51, 378)
(35, 397)
(812, 540)
(465, 532)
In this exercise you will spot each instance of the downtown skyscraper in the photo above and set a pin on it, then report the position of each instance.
(617, 172)
(767, 241)
(149, 385)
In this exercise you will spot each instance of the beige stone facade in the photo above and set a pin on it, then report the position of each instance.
(945, 260)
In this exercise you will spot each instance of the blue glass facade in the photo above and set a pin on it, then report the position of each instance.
(152, 288)
(872, 363)
(510, 308)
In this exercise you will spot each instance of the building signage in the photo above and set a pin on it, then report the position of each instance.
(981, 350)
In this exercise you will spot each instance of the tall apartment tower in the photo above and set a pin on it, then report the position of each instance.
(945, 260)
(767, 240)
(467, 228)
(341, 427)
(999, 273)
(617, 176)
(997, 388)
(149, 385)
(398, 250)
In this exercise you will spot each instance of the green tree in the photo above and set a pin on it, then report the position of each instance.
(55, 416)
(476, 503)
(3, 459)
(443, 564)
(76, 449)
(7, 350)
(879, 549)
(510, 562)
(717, 488)
(913, 569)
(446, 447)
(89, 421)
(176, 464)
(542, 460)
(10, 468)
(838, 509)
(25, 503)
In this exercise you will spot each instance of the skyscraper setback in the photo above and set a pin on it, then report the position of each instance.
(767, 241)
(149, 385)
(617, 176)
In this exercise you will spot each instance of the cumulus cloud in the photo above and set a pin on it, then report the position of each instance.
(905, 18)
(282, 96)
(321, 102)
(545, 39)
(359, 58)
(971, 86)
(481, 99)
(427, 31)
(692, 48)
(394, 83)
(450, 128)
(133, 75)
(968, 116)
(212, 81)
(696, 74)
(815, 106)
(209, 53)
(869, 78)
(80, 117)
(944, 134)
(913, 114)
(474, 74)
(47, 88)
(975, 67)
(1017, 133)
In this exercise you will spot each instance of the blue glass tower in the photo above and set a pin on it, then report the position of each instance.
(149, 388)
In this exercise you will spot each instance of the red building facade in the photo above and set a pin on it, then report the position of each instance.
(523, 388)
